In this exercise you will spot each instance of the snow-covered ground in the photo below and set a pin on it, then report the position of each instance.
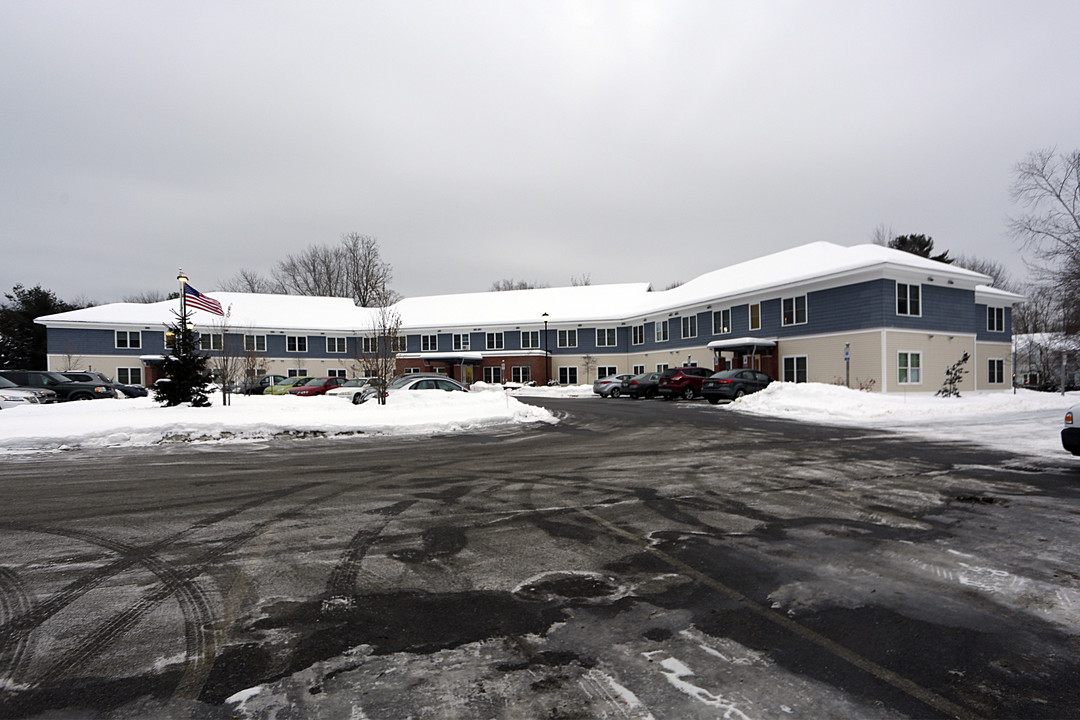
(141, 421)
(1026, 422)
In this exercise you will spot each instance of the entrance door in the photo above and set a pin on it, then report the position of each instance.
(467, 374)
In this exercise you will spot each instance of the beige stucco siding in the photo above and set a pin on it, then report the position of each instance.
(981, 366)
(938, 353)
(825, 358)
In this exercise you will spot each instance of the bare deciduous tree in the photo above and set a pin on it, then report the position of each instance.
(581, 280)
(378, 349)
(512, 284)
(1047, 183)
(367, 275)
(354, 268)
(146, 297)
(314, 271)
(882, 234)
(1000, 274)
(249, 281)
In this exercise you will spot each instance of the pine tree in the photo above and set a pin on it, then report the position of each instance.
(953, 376)
(185, 370)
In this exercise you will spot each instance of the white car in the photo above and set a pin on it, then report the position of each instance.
(1070, 434)
(12, 398)
(350, 390)
(415, 381)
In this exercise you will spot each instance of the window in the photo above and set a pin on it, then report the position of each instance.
(129, 376)
(429, 343)
(689, 327)
(605, 337)
(909, 368)
(721, 321)
(335, 344)
(638, 335)
(398, 343)
(795, 368)
(493, 375)
(338, 372)
(568, 375)
(530, 340)
(210, 342)
(408, 371)
(254, 343)
(368, 345)
(568, 339)
(639, 369)
(604, 370)
(295, 343)
(1031, 378)
(995, 319)
(296, 372)
(907, 300)
(996, 371)
(755, 316)
(126, 339)
(661, 367)
(461, 341)
(660, 331)
(495, 341)
(794, 310)
(521, 373)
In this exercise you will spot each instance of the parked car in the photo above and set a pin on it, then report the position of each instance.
(684, 382)
(286, 385)
(43, 396)
(256, 385)
(1070, 434)
(316, 386)
(416, 381)
(610, 385)
(733, 384)
(350, 390)
(13, 397)
(96, 377)
(643, 385)
(65, 389)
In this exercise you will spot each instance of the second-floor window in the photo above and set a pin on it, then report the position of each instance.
(530, 339)
(794, 310)
(335, 344)
(495, 341)
(461, 341)
(605, 337)
(660, 331)
(907, 300)
(721, 321)
(128, 339)
(295, 343)
(689, 326)
(755, 316)
(995, 319)
(638, 336)
(254, 343)
(429, 343)
(567, 338)
(209, 342)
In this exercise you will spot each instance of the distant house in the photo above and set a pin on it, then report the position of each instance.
(880, 318)
(1041, 358)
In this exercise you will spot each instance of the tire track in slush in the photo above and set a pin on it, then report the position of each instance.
(107, 633)
(341, 584)
(14, 601)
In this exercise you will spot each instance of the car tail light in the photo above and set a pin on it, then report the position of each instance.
(724, 382)
(1068, 418)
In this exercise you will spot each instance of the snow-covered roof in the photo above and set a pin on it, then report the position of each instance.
(594, 304)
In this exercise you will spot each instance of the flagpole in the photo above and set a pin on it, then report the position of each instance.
(182, 278)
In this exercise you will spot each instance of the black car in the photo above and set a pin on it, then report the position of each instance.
(643, 385)
(96, 377)
(733, 384)
(257, 385)
(65, 389)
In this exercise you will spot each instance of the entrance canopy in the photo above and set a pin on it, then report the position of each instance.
(458, 358)
(743, 344)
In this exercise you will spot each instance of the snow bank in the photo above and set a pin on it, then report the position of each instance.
(141, 421)
(1026, 422)
(540, 391)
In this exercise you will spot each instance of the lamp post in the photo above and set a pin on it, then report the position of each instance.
(547, 356)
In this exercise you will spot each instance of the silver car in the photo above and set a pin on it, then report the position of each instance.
(610, 385)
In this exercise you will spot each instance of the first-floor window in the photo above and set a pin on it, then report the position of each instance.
(639, 369)
(338, 372)
(530, 339)
(429, 343)
(493, 375)
(996, 371)
(126, 339)
(795, 369)
(605, 337)
(335, 344)
(211, 342)
(568, 375)
(129, 376)
(909, 368)
(638, 335)
(495, 341)
(296, 343)
(255, 343)
(410, 371)
(567, 338)
(721, 321)
(296, 372)
(521, 373)
(604, 370)
(661, 367)
(461, 341)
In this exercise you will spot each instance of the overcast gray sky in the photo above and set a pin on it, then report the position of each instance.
(633, 141)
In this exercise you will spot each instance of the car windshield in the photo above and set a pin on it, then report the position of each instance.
(4, 382)
(55, 377)
(355, 382)
(669, 373)
(294, 381)
(725, 374)
(316, 381)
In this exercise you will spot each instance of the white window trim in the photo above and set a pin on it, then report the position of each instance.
(337, 340)
(607, 332)
(688, 320)
(498, 337)
(991, 316)
(794, 311)
(783, 370)
(896, 302)
(523, 373)
(726, 326)
(561, 334)
(254, 343)
(750, 316)
(612, 370)
(429, 343)
(634, 335)
(219, 345)
(909, 353)
(567, 369)
(989, 379)
(528, 345)
(639, 370)
(129, 370)
(128, 334)
(656, 331)
(296, 339)
(461, 341)
(337, 372)
(661, 367)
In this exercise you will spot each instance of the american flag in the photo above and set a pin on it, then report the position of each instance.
(196, 299)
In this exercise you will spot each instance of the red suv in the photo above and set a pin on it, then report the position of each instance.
(684, 382)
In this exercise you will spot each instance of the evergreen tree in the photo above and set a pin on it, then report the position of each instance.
(186, 371)
(953, 376)
(22, 341)
(921, 245)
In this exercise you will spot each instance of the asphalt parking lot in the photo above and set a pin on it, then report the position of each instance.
(635, 560)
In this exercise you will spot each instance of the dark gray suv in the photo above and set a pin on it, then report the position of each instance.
(65, 389)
